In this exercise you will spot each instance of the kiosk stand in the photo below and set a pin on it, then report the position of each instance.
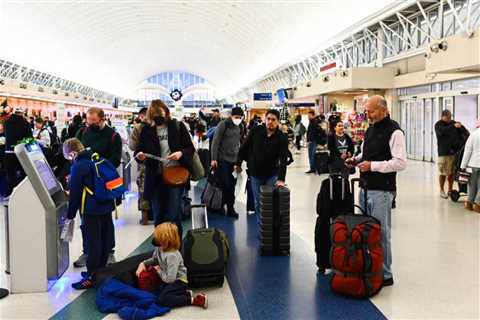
(37, 209)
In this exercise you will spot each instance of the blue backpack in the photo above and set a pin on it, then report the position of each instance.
(107, 184)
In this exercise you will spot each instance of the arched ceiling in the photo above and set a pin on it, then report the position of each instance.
(115, 45)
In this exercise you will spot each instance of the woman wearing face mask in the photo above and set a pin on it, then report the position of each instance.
(341, 147)
(166, 138)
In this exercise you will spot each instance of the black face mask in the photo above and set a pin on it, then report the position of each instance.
(94, 127)
(159, 120)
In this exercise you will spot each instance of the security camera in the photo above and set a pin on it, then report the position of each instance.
(435, 47)
(308, 85)
(427, 55)
(443, 45)
(343, 73)
(325, 78)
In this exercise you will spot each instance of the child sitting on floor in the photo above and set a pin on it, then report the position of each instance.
(168, 262)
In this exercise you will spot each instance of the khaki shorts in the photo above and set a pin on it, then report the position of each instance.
(446, 165)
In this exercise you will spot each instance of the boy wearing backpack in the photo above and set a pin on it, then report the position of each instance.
(96, 215)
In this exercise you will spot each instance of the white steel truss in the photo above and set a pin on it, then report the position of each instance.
(407, 29)
(21, 74)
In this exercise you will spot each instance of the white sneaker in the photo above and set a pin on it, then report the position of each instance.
(443, 195)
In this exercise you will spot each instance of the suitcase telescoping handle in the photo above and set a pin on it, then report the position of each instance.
(203, 218)
(335, 176)
(361, 183)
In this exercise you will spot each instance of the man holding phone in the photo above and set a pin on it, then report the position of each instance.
(383, 154)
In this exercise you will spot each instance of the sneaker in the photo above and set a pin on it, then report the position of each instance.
(201, 300)
(82, 284)
(443, 195)
(387, 282)
(81, 261)
(111, 258)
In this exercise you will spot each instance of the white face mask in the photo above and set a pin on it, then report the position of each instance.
(237, 121)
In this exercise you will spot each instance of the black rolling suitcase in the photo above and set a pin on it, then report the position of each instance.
(275, 220)
(335, 198)
(321, 161)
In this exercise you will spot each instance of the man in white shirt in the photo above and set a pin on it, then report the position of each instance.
(383, 155)
(41, 133)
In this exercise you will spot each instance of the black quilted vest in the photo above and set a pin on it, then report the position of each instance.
(376, 147)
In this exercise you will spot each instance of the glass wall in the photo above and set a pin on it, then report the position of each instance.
(196, 90)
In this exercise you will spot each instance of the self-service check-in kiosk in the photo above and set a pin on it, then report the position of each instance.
(37, 208)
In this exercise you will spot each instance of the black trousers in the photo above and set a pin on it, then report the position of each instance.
(98, 231)
(111, 238)
(297, 142)
(173, 295)
(228, 182)
(15, 173)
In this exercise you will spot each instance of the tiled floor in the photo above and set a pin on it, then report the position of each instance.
(436, 252)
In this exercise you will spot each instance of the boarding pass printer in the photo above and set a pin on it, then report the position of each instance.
(37, 209)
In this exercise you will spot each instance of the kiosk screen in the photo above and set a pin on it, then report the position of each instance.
(46, 174)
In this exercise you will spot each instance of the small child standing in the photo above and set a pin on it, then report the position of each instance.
(168, 262)
(96, 216)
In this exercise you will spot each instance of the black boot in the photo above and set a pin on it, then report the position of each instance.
(231, 212)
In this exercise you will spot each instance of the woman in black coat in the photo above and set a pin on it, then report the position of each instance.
(166, 138)
(341, 147)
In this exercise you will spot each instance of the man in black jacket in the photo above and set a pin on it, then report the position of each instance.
(448, 137)
(17, 128)
(315, 136)
(266, 152)
(103, 140)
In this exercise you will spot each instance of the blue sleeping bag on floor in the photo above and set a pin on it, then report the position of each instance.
(130, 303)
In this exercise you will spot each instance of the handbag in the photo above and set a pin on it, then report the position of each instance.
(197, 171)
(175, 176)
(212, 195)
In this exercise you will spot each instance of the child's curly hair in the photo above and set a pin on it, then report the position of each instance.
(166, 236)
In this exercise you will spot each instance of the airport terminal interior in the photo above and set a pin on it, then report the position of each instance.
(250, 159)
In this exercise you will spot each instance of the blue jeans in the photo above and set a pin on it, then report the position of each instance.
(312, 147)
(474, 187)
(257, 182)
(167, 205)
(379, 205)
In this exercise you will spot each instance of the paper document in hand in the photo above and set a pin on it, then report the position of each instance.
(67, 231)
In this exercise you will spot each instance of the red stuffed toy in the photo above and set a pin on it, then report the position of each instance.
(149, 280)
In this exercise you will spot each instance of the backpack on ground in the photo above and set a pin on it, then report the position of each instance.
(205, 251)
(356, 256)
